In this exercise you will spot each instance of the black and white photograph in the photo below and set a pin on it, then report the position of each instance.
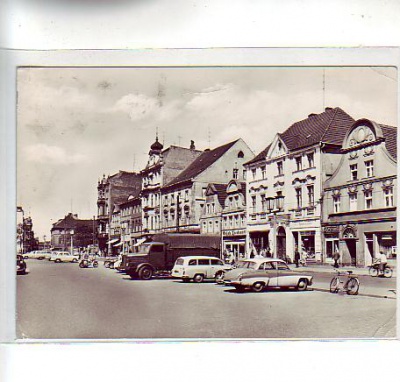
(206, 202)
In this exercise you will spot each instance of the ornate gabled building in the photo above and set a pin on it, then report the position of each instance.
(184, 197)
(284, 185)
(211, 213)
(163, 165)
(111, 191)
(131, 222)
(359, 202)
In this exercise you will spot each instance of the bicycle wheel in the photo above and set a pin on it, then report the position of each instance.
(373, 271)
(388, 272)
(352, 286)
(334, 286)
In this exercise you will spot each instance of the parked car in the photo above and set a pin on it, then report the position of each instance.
(22, 269)
(63, 257)
(199, 268)
(260, 274)
(39, 255)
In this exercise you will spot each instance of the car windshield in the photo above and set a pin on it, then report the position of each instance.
(144, 248)
(179, 261)
(247, 264)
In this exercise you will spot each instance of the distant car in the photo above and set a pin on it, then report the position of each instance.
(63, 257)
(260, 274)
(39, 255)
(199, 268)
(22, 269)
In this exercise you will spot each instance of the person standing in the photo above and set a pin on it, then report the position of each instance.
(296, 256)
(336, 257)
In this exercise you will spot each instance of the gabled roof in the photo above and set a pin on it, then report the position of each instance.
(390, 135)
(71, 221)
(220, 190)
(204, 161)
(329, 127)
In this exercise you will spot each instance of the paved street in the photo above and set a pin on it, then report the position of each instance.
(64, 301)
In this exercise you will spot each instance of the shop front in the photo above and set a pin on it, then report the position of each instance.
(259, 240)
(234, 241)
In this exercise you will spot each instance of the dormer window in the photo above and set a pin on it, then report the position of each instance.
(310, 158)
(353, 171)
(280, 167)
(299, 164)
(240, 154)
(263, 172)
(369, 167)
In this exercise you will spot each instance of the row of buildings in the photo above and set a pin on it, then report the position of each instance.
(326, 184)
(25, 240)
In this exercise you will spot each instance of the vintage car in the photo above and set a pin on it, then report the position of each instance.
(260, 274)
(21, 266)
(63, 257)
(198, 268)
(39, 255)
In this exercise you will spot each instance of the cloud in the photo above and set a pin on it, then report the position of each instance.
(41, 153)
(137, 106)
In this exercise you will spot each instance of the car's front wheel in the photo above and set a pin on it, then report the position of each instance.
(57, 261)
(257, 287)
(302, 285)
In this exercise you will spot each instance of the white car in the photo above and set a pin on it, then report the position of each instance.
(63, 257)
(40, 255)
(198, 268)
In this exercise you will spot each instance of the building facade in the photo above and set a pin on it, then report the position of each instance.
(131, 222)
(284, 186)
(162, 167)
(112, 191)
(184, 197)
(73, 232)
(360, 202)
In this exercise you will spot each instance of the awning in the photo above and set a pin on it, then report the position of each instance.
(112, 241)
(118, 245)
(140, 241)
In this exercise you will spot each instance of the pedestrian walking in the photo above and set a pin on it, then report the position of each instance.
(296, 257)
(336, 257)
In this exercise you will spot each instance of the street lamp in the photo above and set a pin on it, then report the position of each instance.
(72, 241)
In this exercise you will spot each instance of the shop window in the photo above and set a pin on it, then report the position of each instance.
(353, 171)
(369, 167)
(332, 246)
(388, 195)
(368, 199)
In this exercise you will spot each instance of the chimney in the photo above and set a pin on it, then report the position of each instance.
(192, 146)
(311, 115)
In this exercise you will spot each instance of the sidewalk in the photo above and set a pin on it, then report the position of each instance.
(326, 268)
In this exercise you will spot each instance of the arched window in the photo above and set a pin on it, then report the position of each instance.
(240, 154)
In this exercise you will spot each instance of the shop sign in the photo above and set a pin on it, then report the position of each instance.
(235, 232)
(331, 229)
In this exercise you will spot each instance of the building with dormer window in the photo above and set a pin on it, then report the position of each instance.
(359, 217)
(284, 188)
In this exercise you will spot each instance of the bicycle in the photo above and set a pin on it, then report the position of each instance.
(350, 286)
(373, 270)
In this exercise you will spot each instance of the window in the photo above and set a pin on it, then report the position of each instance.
(369, 166)
(310, 158)
(353, 171)
(353, 201)
(298, 197)
(235, 173)
(279, 200)
(254, 173)
(267, 266)
(368, 199)
(253, 203)
(216, 262)
(240, 154)
(388, 194)
(203, 192)
(186, 195)
(213, 207)
(336, 204)
(263, 172)
(244, 174)
(203, 262)
(157, 248)
(280, 167)
(263, 204)
(298, 164)
(192, 262)
(310, 191)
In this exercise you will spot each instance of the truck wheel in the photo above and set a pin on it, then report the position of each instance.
(146, 273)
(198, 278)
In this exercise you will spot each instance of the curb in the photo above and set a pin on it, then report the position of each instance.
(358, 294)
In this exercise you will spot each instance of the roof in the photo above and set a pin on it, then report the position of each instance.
(390, 135)
(204, 161)
(329, 127)
(220, 191)
(71, 221)
(261, 156)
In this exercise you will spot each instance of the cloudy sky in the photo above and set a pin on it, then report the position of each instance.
(76, 124)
